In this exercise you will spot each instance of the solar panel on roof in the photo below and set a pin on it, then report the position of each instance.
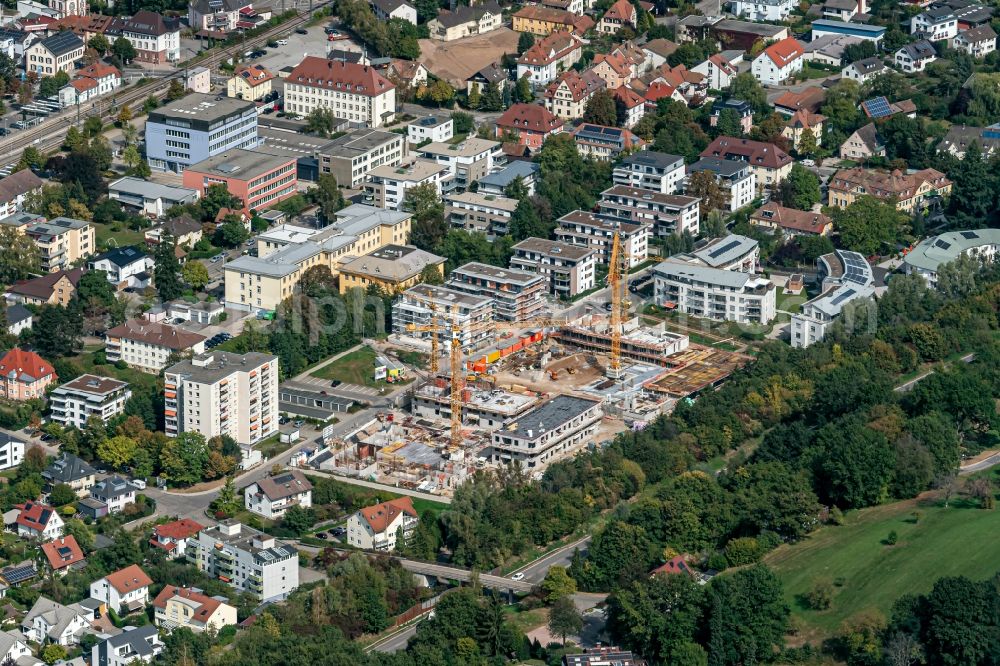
(19, 574)
(877, 107)
(722, 250)
(969, 234)
(944, 245)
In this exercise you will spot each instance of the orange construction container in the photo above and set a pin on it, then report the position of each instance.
(478, 366)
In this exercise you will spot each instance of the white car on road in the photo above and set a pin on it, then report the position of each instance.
(518, 576)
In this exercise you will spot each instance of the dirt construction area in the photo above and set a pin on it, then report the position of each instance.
(458, 60)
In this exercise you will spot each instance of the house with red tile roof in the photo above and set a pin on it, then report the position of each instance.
(90, 82)
(554, 53)
(24, 375)
(769, 163)
(530, 123)
(252, 82)
(63, 554)
(799, 123)
(172, 537)
(791, 222)
(779, 61)
(191, 608)
(375, 527)
(676, 565)
(809, 99)
(38, 521)
(568, 95)
(634, 103)
(126, 589)
(718, 71)
(622, 14)
(614, 69)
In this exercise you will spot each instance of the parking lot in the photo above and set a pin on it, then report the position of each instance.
(351, 390)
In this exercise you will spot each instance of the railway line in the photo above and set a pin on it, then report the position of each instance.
(49, 135)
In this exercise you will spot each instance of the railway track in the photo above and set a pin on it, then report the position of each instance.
(49, 135)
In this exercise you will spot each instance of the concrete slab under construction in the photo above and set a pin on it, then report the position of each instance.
(697, 369)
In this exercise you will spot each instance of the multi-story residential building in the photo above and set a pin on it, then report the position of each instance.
(124, 266)
(375, 527)
(470, 316)
(17, 319)
(714, 293)
(916, 56)
(88, 395)
(67, 8)
(621, 14)
(770, 164)
(258, 179)
(466, 162)
(910, 191)
(51, 622)
(15, 188)
(845, 277)
(498, 182)
(718, 70)
(936, 24)
(552, 430)
(156, 38)
(465, 21)
(541, 20)
(516, 294)
(763, 10)
(530, 123)
(351, 157)
(38, 521)
(192, 609)
(217, 16)
(286, 252)
(172, 537)
(126, 589)
(729, 253)
(736, 179)
(568, 94)
(604, 143)
(197, 127)
(482, 213)
(615, 69)
(550, 55)
(978, 42)
(597, 233)
(11, 451)
(650, 170)
(865, 70)
(386, 186)
(90, 82)
(668, 213)
(246, 559)
(252, 82)
(114, 492)
(791, 222)
(931, 253)
(779, 62)
(740, 107)
(70, 470)
(493, 74)
(486, 409)
(155, 199)
(61, 242)
(568, 269)
(801, 122)
(863, 143)
(24, 375)
(391, 268)
(135, 645)
(430, 129)
(352, 91)
(632, 103)
(221, 393)
(147, 346)
(272, 496)
(58, 53)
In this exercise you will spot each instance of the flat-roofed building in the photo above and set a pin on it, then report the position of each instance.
(197, 127)
(351, 157)
(552, 430)
(597, 233)
(482, 213)
(426, 305)
(729, 253)
(846, 277)
(150, 198)
(516, 294)
(246, 559)
(487, 409)
(568, 269)
(714, 293)
(466, 162)
(221, 393)
(88, 395)
(931, 253)
(668, 213)
(736, 179)
(61, 242)
(392, 268)
(386, 186)
(258, 179)
(650, 170)
(431, 129)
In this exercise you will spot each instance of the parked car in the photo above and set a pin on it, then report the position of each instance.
(335, 383)
(139, 483)
(282, 42)
(518, 576)
(218, 258)
(301, 31)
(338, 531)
(299, 423)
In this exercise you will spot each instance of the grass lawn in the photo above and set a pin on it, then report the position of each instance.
(412, 358)
(523, 621)
(124, 237)
(791, 302)
(273, 446)
(958, 540)
(85, 360)
(421, 505)
(356, 368)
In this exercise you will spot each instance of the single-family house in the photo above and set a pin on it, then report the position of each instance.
(63, 554)
(71, 470)
(191, 608)
(172, 537)
(791, 222)
(55, 288)
(135, 645)
(978, 42)
(621, 14)
(126, 589)
(778, 62)
(568, 95)
(124, 266)
(863, 144)
(390, 9)
(115, 492)
(24, 375)
(492, 74)
(865, 70)
(51, 622)
(17, 318)
(718, 71)
(916, 56)
(375, 527)
(799, 124)
(531, 124)
(936, 24)
(272, 496)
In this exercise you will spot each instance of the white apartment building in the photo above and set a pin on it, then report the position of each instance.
(11, 451)
(156, 39)
(846, 277)
(931, 253)
(375, 527)
(466, 162)
(126, 589)
(114, 492)
(693, 288)
(736, 178)
(427, 305)
(88, 395)
(486, 409)
(550, 431)
(597, 233)
(221, 393)
(352, 91)
(779, 62)
(568, 269)
(552, 54)
(763, 10)
(246, 559)
(482, 213)
(386, 186)
(516, 294)
(135, 645)
(272, 496)
(433, 129)
(935, 24)
(978, 42)
(351, 157)
(651, 170)
(147, 346)
(668, 213)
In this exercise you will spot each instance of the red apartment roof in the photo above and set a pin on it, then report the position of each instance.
(756, 153)
(98, 71)
(154, 333)
(809, 99)
(176, 531)
(629, 97)
(790, 218)
(339, 75)
(529, 117)
(129, 579)
(550, 48)
(24, 366)
(206, 604)
(381, 515)
(787, 50)
(581, 86)
(622, 10)
(62, 552)
(616, 61)
(83, 84)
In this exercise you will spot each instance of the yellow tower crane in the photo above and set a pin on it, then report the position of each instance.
(617, 278)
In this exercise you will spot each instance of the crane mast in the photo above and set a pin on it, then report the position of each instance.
(617, 276)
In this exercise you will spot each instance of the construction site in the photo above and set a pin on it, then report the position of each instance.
(545, 389)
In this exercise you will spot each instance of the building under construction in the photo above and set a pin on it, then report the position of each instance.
(483, 404)
(644, 344)
(695, 370)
